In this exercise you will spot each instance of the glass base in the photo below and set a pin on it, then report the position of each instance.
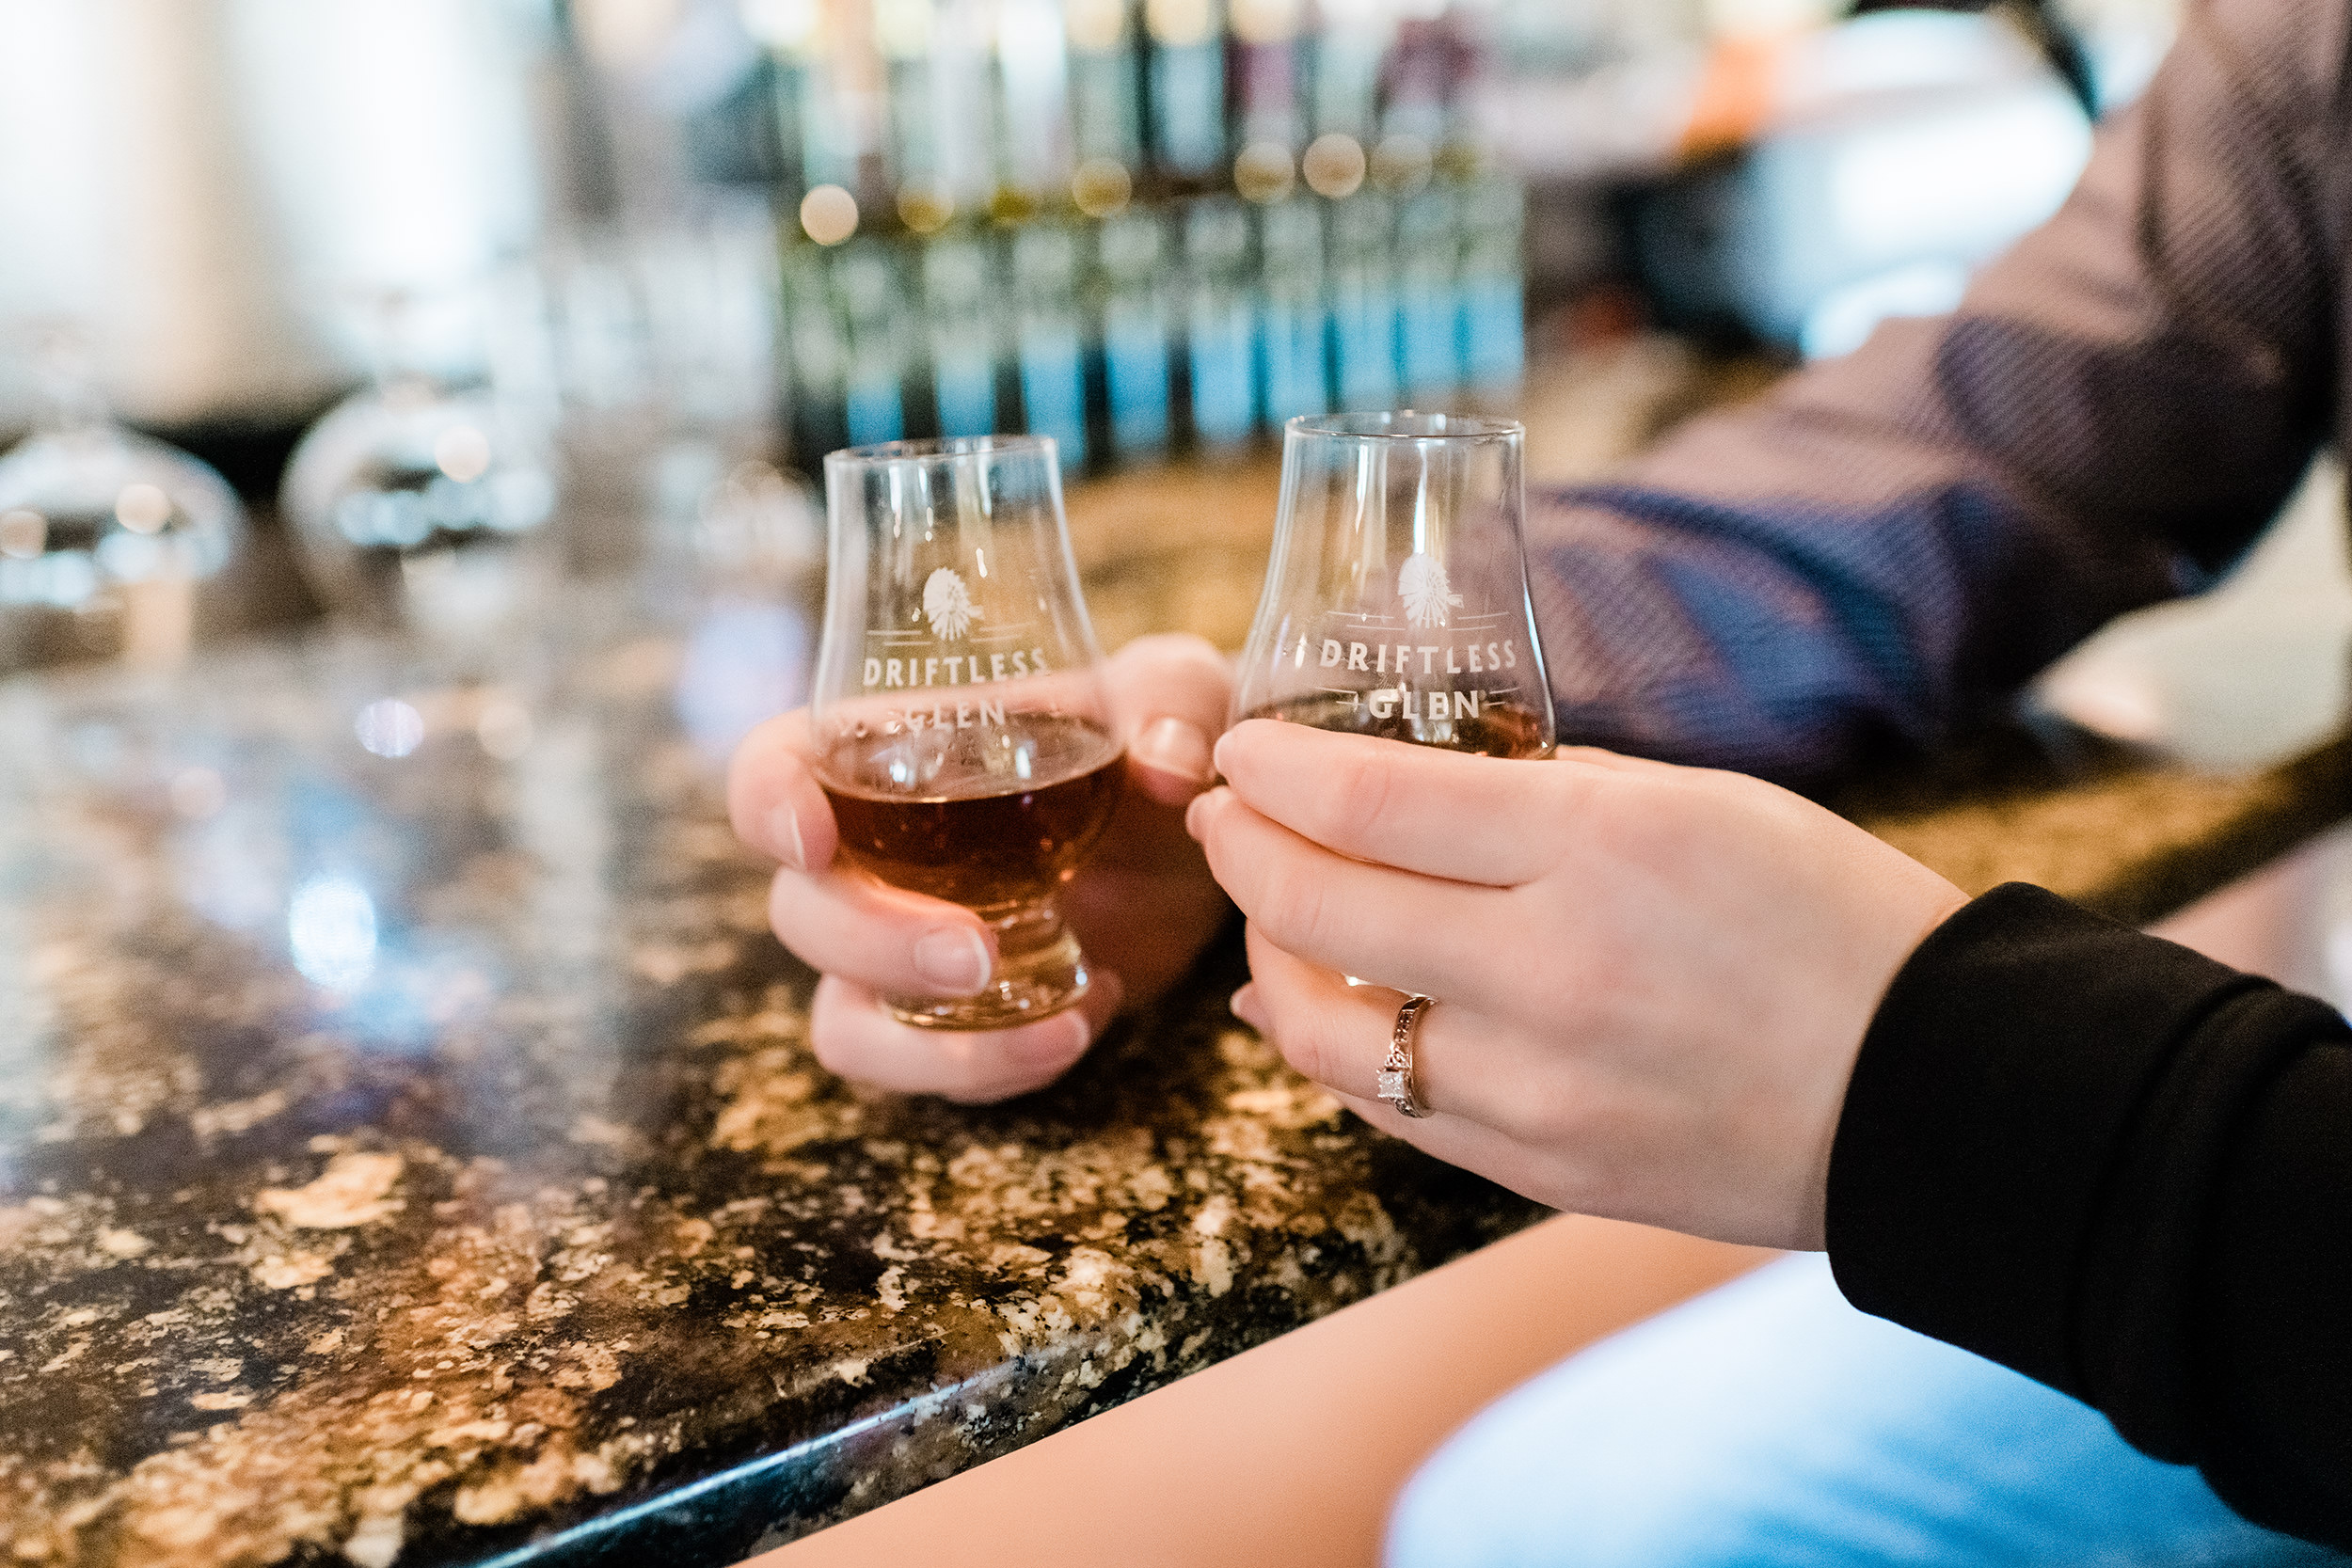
(1040, 972)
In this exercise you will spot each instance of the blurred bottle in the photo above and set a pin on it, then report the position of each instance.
(915, 144)
(1220, 323)
(817, 349)
(960, 323)
(1049, 346)
(1031, 127)
(1429, 305)
(1347, 51)
(873, 295)
(1267, 108)
(1186, 124)
(1294, 341)
(112, 546)
(1105, 115)
(1363, 302)
(1493, 284)
(1135, 334)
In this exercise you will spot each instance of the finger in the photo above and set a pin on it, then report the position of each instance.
(1616, 762)
(854, 1036)
(1338, 1035)
(774, 798)
(1417, 933)
(1169, 697)
(881, 936)
(1419, 808)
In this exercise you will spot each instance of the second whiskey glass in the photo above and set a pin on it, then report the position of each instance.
(1395, 600)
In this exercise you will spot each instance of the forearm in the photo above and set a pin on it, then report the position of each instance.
(2122, 1169)
(1777, 588)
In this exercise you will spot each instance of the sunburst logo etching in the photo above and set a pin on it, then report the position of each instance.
(947, 604)
(1421, 583)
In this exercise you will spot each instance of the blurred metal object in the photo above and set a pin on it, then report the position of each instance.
(429, 510)
(112, 546)
(193, 175)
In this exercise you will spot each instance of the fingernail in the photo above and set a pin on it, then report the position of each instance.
(1172, 746)
(1196, 815)
(1217, 752)
(783, 838)
(1245, 1006)
(953, 958)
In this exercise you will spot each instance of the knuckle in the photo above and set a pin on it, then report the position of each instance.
(835, 1037)
(1320, 1051)
(983, 1076)
(787, 892)
(1361, 792)
(1293, 907)
(835, 1054)
(757, 778)
(1305, 1052)
(1173, 673)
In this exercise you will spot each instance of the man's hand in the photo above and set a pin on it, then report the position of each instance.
(1652, 981)
(1142, 906)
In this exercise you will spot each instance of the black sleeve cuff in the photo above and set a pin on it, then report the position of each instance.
(1995, 1090)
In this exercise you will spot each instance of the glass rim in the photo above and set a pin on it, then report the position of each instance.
(937, 449)
(1388, 426)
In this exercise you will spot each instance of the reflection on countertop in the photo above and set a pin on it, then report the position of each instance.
(410, 1149)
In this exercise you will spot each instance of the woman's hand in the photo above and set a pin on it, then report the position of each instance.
(1143, 905)
(1652, 981)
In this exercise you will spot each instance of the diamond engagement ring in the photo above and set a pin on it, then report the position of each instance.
(1395, 1078)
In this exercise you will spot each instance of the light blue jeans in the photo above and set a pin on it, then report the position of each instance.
(1770, 1423)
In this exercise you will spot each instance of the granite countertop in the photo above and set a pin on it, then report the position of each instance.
(410, 1151)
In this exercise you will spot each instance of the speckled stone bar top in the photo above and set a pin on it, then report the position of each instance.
(412, 1155)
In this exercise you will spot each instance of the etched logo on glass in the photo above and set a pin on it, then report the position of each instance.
(947, 604)
(1421, 583)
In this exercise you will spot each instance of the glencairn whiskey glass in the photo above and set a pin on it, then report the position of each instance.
(962, 730)
(112, 546)
(1395, 600)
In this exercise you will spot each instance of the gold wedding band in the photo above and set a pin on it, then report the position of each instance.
(1395, 1078)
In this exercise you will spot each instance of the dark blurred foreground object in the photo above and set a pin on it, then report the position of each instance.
(112, 546)
(1862, 171)
(2039, 20)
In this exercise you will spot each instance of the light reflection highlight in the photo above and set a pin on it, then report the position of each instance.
(331, 929)
(142, 508)
(23, 533)
(745, 661)
(390, 727)
(462, 452)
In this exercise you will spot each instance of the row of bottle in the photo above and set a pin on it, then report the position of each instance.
(927, 109)
(1197, 321)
